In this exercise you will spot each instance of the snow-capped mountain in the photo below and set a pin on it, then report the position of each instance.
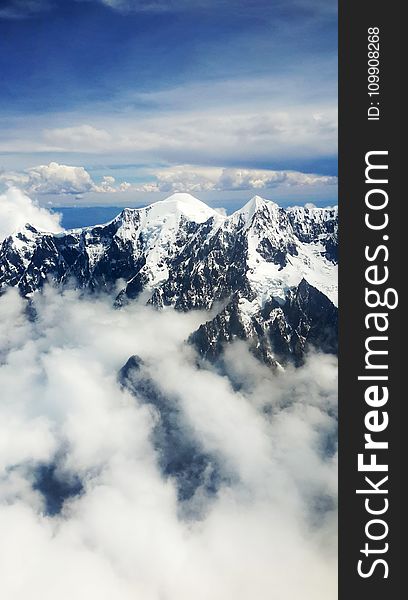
(270, 272)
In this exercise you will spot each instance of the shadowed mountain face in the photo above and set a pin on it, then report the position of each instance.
(272, 272)
(55, 488)
(278, 332)
(180, 455)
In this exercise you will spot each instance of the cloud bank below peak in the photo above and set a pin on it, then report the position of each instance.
(124, 536)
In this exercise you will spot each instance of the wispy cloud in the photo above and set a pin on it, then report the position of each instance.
(262, 135)
(22, 9)
(77, 136)
(154, 5)
(159, 6)
(210, 93)
(19, 9)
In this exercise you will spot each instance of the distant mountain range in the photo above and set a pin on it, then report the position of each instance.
(268, 274)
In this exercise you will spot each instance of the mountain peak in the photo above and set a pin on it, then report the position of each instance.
(182, 197)
(183, 204)
(255, 204)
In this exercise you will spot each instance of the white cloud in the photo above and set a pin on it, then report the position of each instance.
(106, 185)
(188, 178)
(221, 210)
(255, 179)
(17, 209)
(124, 538)
(57, 179)
(238, 134)
(246, 119)
(77, 136)
(51, 179)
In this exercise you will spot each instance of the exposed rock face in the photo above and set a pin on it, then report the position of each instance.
(180, 455)
(278, 332)
(272, 272)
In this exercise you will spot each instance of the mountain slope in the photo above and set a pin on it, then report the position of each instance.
(277, 332)
(181, 253)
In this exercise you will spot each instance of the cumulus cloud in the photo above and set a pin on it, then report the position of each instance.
(124, 536)
(51, 179)
(17, 209)
(106, 185)
(55, 178)
(188, 178)
(254, 179)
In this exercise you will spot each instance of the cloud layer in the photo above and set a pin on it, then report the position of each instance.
(55, 178)
(250, 129)
(187, 178)
(268, 533)
(228, 88)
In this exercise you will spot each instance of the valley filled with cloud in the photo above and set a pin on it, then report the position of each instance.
(267, 529)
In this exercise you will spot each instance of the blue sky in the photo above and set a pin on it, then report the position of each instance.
(216, 97)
